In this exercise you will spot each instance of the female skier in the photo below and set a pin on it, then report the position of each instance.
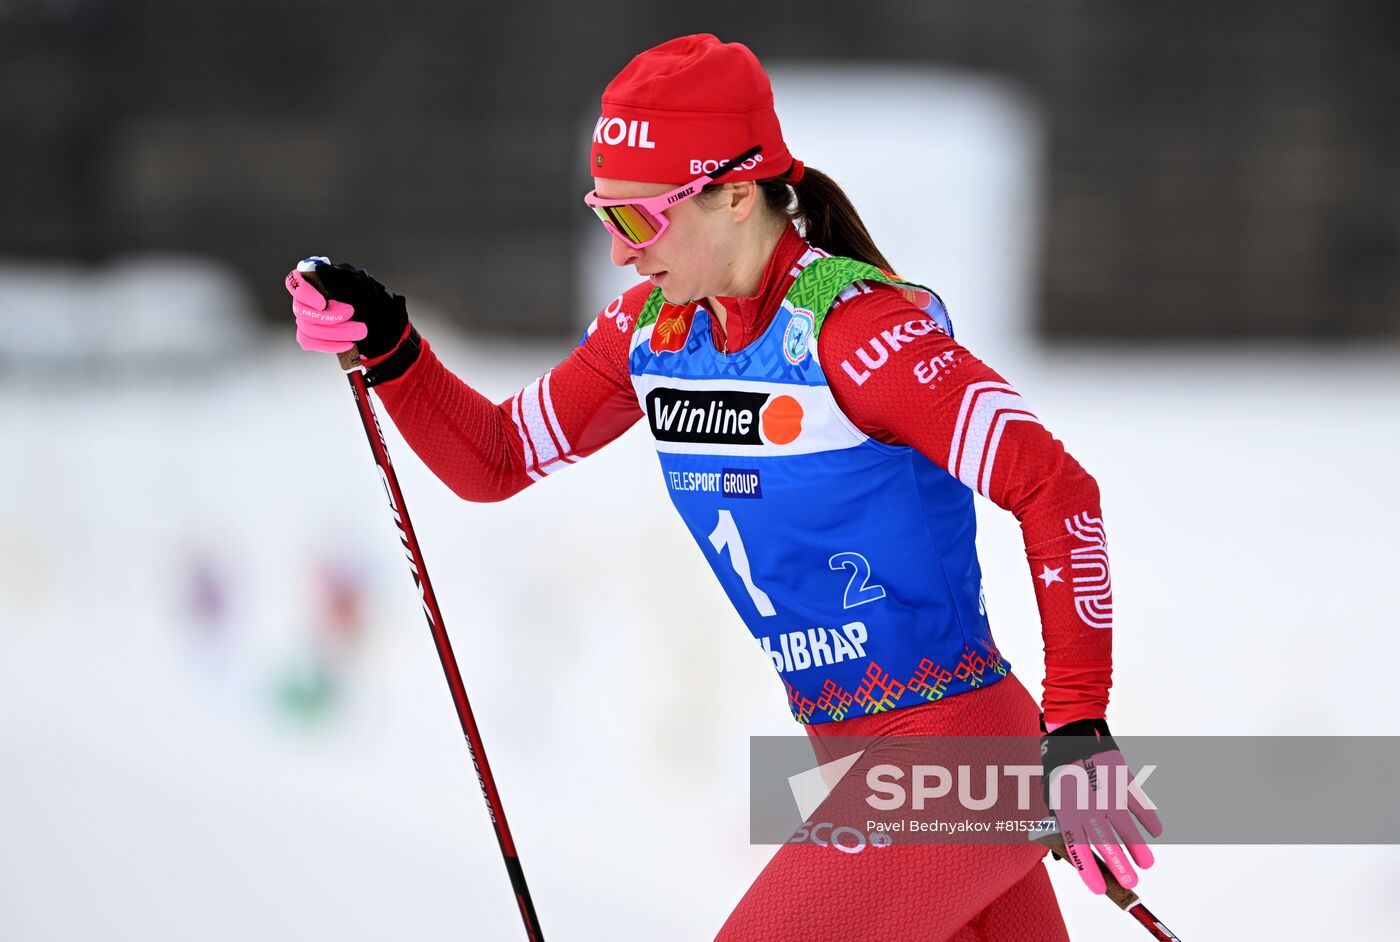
(821, 433)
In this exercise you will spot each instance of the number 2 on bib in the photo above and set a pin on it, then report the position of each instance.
(860, 570)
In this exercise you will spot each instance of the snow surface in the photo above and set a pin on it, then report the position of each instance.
(153, 788)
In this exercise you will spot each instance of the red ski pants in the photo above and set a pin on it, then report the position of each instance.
(928, 892)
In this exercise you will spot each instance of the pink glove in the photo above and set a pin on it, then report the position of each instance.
(1100, 816)
(321, 324)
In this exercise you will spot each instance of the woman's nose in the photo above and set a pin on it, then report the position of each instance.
(623, 254)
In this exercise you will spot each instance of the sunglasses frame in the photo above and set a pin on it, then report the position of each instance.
(655, 206)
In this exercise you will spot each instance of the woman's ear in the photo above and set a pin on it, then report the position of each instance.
(743, 197)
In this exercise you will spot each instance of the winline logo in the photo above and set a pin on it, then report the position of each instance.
(727, 417)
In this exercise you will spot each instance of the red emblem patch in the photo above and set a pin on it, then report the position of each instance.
(672, 328)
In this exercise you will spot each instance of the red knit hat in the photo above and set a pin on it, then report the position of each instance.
(683, 108)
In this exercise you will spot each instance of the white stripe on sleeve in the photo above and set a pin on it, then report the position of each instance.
(987, 408)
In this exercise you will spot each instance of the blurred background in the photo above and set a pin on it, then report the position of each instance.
(1175, 229)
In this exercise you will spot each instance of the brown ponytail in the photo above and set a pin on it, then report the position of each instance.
(828, 219)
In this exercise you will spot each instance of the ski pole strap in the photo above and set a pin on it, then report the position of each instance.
(397, 362)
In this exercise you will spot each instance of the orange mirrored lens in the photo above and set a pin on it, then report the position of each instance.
(635, 225)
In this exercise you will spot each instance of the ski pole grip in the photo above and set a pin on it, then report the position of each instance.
(314, 280)
(349, 359)
(1114, 890)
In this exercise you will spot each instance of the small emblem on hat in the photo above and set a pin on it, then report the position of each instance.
(600, 160)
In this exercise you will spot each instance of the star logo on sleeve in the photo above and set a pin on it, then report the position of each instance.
(1048, 575)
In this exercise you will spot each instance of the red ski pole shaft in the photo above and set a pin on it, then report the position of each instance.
(1125, 898)
(350, 362)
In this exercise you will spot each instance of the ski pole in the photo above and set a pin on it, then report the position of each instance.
(350, 362)
(1048, 833)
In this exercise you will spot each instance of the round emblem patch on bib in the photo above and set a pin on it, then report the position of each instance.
(797, 336)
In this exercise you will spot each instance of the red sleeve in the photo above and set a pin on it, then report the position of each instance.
(487, 451)
(902, 380)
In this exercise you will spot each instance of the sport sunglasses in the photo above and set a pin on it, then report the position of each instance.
(639, 223)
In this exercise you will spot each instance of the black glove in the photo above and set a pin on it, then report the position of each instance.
(1070, 743)
(388, 335)
(1088, 821)
(384, 315)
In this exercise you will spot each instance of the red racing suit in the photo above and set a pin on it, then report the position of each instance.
(895, 387)
(898, 388)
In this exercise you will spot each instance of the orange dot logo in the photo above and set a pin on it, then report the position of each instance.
(782, 420)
